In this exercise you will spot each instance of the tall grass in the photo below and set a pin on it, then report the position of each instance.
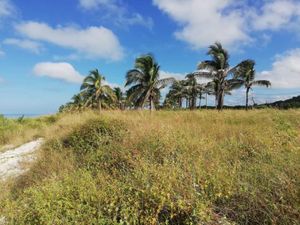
(18, 131)
(202, 167)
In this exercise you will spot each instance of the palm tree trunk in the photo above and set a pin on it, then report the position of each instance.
(200, 100)
(220, 100)
(187, 103)
(99, 105)
(247, 98)
(152, 106)
(206, 100)
(179, 102)
(192, 103)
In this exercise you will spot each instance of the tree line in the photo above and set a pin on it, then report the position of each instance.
(144, 85)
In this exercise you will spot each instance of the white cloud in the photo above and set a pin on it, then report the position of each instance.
(232, 22)
(206, 21)
(92, 42)
(177, 76)
(61, 70)
(285, 72)
(32, 46)
(276, 14)
(116, 12)
(6, 8)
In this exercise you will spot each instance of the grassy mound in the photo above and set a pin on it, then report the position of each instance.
(205, 167)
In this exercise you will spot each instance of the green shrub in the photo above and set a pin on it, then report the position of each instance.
(70, 201)
(93, 135)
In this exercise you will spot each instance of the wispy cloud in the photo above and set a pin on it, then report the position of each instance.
(6, 8)
(29, 45)
(116, 11)
(2, 53)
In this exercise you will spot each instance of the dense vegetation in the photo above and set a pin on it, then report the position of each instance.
(145, 84)
(182, 167)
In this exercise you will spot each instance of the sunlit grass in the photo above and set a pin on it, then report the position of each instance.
(168, 167)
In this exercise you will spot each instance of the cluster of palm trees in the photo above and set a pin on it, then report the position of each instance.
(222, 80)
(144, 85)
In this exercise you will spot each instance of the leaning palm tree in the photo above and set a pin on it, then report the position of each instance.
(145, 83)
(219, 70)
(96, 91)
(247, 72)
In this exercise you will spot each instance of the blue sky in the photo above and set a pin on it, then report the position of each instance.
(47, 47)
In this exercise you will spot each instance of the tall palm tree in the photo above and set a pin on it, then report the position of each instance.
(96, 91)
(219, 70)
(119, 97)
(145, 83)
(247, 72)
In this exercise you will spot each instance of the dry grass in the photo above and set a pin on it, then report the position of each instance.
(165, 167)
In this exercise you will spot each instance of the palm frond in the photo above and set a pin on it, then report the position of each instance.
(208, 65)
(203, 74)
(164, 82)
(134, 76)
(244, 70)
(234, 84)
(264, 83)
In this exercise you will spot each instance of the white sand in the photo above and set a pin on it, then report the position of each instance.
(11, 160)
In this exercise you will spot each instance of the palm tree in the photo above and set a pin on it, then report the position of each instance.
(78, 101)
(176, 94)
(194, 89)
(96, 91)
(202, 90)
(145, 83)
(119, 97)
(247, 72)
(220, 72)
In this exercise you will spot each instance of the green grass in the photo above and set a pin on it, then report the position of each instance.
(202, 167)
(17, 131)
